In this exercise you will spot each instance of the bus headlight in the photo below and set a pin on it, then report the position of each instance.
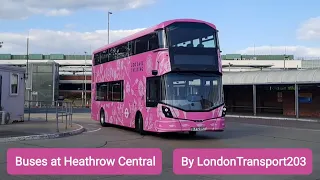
(166, 111)
(224, 111)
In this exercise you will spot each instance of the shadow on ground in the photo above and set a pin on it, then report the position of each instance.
(231, 133)
(8, 134)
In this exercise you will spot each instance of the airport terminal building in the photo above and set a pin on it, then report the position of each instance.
(253, 84)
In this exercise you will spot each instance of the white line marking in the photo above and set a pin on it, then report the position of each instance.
(93, 130)
(273, 118)
(279, 127)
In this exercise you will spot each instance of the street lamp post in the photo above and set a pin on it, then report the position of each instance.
(28, 81)
(85, 79)
(285, 58)
(27, 64)
(109, 13)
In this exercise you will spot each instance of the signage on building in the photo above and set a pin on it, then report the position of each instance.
(305, 97)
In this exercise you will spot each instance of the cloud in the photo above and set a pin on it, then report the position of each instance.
(73, 42)
(58, 12)
(309, 30)
(298, 51)
(21, 9)
(66, 42)
(70, 26)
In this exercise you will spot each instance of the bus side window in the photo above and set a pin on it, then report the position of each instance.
(112, 54)
(116, 91)
(153, 42)
(101, 91)
(153, 91)
(121, 51)
(141, 45)
(104, 57)
(131, 48)
(97, 59)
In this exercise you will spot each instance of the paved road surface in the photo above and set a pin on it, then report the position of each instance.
(34, 127)
(237, 135)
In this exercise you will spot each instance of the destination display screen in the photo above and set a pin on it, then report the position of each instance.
(181, 59)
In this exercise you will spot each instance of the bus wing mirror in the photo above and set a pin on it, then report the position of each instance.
(154, 72)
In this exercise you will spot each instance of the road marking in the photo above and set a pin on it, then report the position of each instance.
(93, 130)
(272, 118)
(279, 127)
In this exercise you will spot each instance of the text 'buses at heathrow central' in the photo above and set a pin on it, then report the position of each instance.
(167, 78)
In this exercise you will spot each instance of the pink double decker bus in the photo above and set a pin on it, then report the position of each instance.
(167, 78)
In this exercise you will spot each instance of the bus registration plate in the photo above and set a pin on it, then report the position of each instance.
(198, 129)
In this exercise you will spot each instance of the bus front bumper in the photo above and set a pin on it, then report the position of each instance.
(176, 125)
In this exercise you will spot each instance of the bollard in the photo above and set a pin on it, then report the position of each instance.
(57, 119)
(66, 116)
(68, 113)
(62, 112)
(29, 110)
(66, 123)
(70, 123)
(71, 114)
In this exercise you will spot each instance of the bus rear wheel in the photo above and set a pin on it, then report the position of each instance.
(139, 124)
(103, 119)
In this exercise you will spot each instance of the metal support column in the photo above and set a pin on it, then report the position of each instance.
(254, 93)
(53, 81)
(296, 99)
(85, 80)
(109, 13)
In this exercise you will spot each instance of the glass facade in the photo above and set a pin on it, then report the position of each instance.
(42, 83)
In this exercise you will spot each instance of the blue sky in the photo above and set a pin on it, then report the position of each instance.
(242, 23)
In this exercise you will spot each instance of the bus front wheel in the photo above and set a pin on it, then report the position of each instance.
(103, 119)
(139, 124)
(192, 133)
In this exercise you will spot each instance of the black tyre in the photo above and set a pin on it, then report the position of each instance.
(192, 133)
(139, 124)
(103, 119)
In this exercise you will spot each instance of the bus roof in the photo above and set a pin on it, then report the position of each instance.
(149, 30)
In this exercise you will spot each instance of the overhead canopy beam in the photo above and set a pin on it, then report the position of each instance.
(254, 93)
(308, 76)
(296, 100)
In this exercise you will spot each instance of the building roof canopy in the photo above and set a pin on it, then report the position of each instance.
(306, 76)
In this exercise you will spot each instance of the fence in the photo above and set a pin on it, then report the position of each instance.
(62, 111)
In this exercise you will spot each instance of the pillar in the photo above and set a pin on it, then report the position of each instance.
(254, 93)
(296, 97)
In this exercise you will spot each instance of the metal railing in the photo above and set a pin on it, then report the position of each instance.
(76, 103)
(62, 111)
